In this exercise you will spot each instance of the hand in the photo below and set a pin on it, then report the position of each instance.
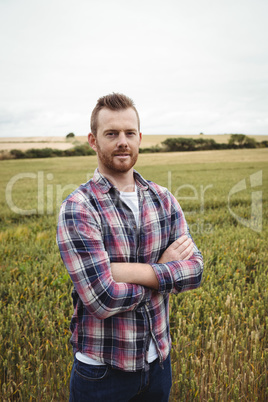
(180, 249)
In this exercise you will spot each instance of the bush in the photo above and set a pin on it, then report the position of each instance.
(39, 153)
(17, 153)
(150, 150)
(205, 144)
(57, 152)
(264, 144)
(179, 144)
(242, 141)
(80, 150)
(237, 139)
(189, 144)
(250, 143)
(70, 135)
(84, 149)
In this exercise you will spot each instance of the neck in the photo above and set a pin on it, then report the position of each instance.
(122, 181)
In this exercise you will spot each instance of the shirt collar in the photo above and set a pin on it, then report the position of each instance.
(105, 185)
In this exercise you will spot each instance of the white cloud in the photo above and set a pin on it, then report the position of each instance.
(190, 66)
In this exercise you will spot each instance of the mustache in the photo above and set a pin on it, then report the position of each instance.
(121, 153)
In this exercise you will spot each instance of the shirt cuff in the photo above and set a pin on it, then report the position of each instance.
(146, 297)
(164, 276)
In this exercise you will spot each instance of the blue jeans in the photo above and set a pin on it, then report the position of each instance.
(104, 384)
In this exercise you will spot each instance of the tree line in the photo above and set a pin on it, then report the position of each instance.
(78, 150)
(178, 144)
(182, 144)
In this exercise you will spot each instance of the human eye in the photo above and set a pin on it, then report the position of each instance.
(110, 134)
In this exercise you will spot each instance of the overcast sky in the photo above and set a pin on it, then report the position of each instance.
(190, 66)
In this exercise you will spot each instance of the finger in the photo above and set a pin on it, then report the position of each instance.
(181, 240)
(188, 252)
(185, 249)
(186, 243)
(189, 255)
(190, 246)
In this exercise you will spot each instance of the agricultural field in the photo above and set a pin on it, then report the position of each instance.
(219, 331)
(24, 143)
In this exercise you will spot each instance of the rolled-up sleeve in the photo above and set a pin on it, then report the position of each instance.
(79, 238)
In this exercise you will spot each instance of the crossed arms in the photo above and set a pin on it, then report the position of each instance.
(107, 287)
(144, 274)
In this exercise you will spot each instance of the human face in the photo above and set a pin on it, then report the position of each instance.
(117, 141)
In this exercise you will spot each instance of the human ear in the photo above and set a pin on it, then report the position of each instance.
(140, 135)
(92, 141)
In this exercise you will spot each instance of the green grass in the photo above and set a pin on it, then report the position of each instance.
(219, 331)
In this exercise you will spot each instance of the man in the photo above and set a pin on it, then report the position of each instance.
(126, 246)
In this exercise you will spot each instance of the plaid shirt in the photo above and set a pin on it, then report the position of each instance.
(114, 322)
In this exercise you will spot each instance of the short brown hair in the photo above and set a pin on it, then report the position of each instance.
(114, 101)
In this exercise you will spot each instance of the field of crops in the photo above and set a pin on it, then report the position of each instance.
(219, 331)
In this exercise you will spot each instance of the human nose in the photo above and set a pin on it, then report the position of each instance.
(122, 140)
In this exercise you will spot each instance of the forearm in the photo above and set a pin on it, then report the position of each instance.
(181, 275)
(153, 275)
(135, 273)
(148, 275)
(173, 276)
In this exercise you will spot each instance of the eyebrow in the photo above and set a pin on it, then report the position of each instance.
(116, 131)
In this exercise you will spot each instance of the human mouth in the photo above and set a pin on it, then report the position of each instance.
(121, 155)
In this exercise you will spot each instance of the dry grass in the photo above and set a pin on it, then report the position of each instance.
(34, 139)
(24, 143)
(230, 155)
(24, 146)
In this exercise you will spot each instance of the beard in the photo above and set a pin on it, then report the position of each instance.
(112, 163)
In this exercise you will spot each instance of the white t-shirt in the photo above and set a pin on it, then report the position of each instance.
(131, 199)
